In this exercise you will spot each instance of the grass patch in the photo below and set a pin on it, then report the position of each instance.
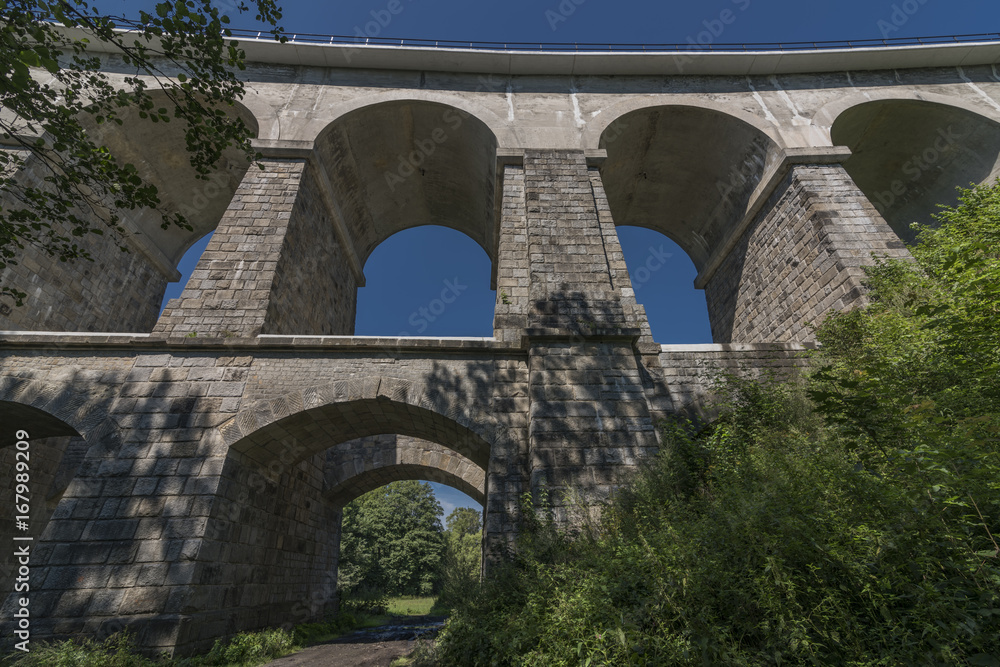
(411, 606)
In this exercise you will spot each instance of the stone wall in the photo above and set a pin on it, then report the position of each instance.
(116, 291)
(799, 259)
(272, 266)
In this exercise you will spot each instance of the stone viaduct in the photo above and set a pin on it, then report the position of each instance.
(188, 468)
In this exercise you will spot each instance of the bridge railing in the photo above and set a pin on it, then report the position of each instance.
(590, 47)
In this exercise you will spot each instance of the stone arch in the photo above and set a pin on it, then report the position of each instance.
(687, 171)
(61, 435)
(275, 430)
(404, 163)
(56, 408)
(356, 467)
(827, 115)
(594, 135)
(159, 153)
(273, 516)
(499, 127)
(910, 151)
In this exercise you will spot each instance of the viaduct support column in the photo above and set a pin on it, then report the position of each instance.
(274, 265)
(797, 255)
(563, 290)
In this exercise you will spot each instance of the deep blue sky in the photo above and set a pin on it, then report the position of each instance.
(408, 271)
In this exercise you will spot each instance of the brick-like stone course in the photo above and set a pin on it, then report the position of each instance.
(274, 264)
(800, 259)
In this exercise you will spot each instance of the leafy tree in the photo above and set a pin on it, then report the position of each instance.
(53, 93)
(391, 540)
(462, 560)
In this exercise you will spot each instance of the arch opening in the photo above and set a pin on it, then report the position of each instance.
(159, 153)
(121, 291)
(277, 518)
(908, 156)
(662, 276)
(50, 461)
(427, 281)
(357, 467)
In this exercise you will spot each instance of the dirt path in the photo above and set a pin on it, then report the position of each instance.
(374, 647)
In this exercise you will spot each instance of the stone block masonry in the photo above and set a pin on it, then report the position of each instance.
(801, 258)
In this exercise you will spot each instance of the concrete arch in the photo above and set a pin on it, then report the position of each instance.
(356, 467)
(404, 163)
(159, 153)
(909, 153)
(687, 171)
(827, 115)
(498, 126)
(594, 133)
(301, 424)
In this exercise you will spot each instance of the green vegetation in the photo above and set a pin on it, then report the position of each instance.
(411, 606)
(462, 561)
(844, 518)
(246, 649)
(391, 542)
(52, 85)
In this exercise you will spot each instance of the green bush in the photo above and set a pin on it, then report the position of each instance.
(250, 648)
(115, 651)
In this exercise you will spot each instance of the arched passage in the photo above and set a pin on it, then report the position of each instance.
(356, 467)
(663, 276)
(42, 453)
(686, 172)
(908, 155)
(689, 173)
(272, 537)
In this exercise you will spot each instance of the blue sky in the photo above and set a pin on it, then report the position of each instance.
(408, 271)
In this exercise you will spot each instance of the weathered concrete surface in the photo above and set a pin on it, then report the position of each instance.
(194, 476)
